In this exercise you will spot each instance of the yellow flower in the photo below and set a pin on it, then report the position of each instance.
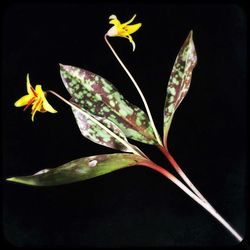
(36, 97)
(123, 30)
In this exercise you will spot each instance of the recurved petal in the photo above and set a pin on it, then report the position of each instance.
(130, 40)
(116, 22)
(39, 90)
(130, 21)
(30, 89)
(133, 44)
(23, 101)
(36, 107)
(28, 84)
(48, 107)
(112, 16)
(133, 28)
(33, 115)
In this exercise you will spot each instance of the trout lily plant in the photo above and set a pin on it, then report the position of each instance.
(105, 117)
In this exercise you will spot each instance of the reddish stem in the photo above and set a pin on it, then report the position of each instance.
(180, 172)
(205, 205)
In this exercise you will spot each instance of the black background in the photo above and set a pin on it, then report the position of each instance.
(135, 206)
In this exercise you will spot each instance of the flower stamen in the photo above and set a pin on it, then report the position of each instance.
(29, 103)
(33, 91)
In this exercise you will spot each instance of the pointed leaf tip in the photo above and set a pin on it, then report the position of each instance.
(61, 66)
(80, 169)
(10, 179)
(179, 81)
(22, 180)
(190, 37)
(191, 34)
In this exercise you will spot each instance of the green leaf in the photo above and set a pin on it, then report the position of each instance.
(95, 133)
(101, 98)
(179, 81)
(80, 169)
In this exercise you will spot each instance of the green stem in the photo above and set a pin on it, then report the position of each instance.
(138, 89)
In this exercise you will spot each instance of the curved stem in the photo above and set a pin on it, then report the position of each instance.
(206, 206)
(125, 143)
(138, 89)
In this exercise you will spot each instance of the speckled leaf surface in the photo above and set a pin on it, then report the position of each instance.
(179, 81)
(101, 98)
(95, 133)
(80, 169)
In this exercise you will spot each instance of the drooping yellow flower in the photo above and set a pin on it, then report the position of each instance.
(36, 98)
(123, 30)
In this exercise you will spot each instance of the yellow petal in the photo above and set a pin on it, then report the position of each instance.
(123, 30)
(45, 103)
(132, 28)
(130, 21)
(33, 115)
(39, 90)
(23, 101)
(28, 86)
(48, 107)
(28, 83)
(37, 105)
(131, 41)
(116, 22)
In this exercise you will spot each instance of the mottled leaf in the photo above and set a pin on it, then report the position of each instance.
(179, 81)
(95, 133)
(101, 98)
(80, 169)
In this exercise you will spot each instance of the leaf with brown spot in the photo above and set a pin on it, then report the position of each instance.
(101, 98)
(80, 169)
(179, 81)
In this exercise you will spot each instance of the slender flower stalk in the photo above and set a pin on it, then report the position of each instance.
(125, 143)
(193, 192)
(205, 205)
(161, 147)
(138, 89)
